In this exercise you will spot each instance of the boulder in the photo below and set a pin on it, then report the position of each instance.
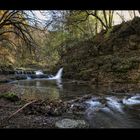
(71, 123)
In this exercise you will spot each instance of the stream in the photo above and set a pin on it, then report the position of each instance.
(103, 110)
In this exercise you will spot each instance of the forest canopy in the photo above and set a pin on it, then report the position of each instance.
(38, 38)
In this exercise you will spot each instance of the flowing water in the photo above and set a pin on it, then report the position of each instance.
(104, 110)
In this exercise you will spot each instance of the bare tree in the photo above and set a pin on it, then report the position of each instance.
(20, 24)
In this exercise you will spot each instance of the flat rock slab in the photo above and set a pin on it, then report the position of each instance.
(71, 123)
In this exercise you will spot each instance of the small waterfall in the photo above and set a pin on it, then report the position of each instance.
(57, 76)
(22, 72)
(28, 78)
(39, 72)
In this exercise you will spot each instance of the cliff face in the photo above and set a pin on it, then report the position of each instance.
(112, 56)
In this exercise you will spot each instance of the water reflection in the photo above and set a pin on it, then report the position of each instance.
(39, 89)
(52, 89)
(59, 84)
(37, 83)
(32, 93)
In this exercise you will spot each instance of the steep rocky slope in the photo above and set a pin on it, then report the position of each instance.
(112, 56)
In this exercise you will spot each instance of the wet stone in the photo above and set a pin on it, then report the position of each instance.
(71, 123)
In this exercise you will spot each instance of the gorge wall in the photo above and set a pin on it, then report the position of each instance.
(112, 56)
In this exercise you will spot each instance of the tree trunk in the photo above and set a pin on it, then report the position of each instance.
(105, 17)
(111, 12)
(96, 24)
(134, 13)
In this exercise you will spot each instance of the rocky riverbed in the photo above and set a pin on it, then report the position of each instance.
(40, 113)
(98, 109)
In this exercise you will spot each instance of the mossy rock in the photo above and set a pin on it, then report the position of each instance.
(10, 96)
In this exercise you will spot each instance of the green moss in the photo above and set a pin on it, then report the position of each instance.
(10, 96)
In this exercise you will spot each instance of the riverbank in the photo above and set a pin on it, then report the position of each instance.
(20, 108)
(95, 110)
(39, 114)
(34, 113)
